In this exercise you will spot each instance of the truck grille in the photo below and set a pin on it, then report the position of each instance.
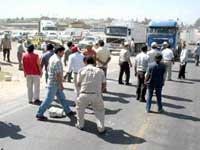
(114, 40)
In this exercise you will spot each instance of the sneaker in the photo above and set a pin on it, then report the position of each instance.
(41, 118)
(30, 102)
(128, 84)
(161, 110)
(147, 111)
(71, 113)
(121, 83)
(37, 102)
(143, 100)
(78, 127)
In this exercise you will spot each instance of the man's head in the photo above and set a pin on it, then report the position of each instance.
(154, 45)
(101, 43)
(158, 58)
(144, 49)
(89, 46)
(30, 48)
(165, 44)
(69, 44)
(59, 50)
(89, 60)
(198, 43)
(49, 47)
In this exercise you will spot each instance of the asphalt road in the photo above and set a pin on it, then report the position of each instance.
(128, 126)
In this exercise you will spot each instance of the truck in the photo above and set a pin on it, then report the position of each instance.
(119, 32)
(164, 31)
(48, 28)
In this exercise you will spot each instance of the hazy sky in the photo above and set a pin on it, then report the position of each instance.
(187, 10)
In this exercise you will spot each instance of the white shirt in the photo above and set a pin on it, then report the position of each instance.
(152, 53)
(142, 60)
(102, 54)
(184, 56)
(75, 62)
(167, 54)
(124, 55)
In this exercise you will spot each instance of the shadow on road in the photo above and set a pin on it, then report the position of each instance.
(193, 80)
(170, 105)
(181, 81)
(124, 95)
(115, 99)
(6, 64)
(10, 130)
(177, 98)
(112, 136)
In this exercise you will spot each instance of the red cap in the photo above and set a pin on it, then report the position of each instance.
(74, 49)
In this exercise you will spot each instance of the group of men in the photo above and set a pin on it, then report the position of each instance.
(89, 74)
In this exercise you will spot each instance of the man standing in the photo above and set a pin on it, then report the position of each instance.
(168, 58)
(103, 57)
(91, 81)
(155, 81)
(32, 72)
(6, 45)
(141, 64)
(88, 51)
(74, 65)
(183, 62)
(197, 53)
(45, 59)
(20, 51)
(132, 46)
(152, 53)
(55, 85)
(124, 63)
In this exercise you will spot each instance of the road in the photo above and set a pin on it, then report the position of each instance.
(128, 126)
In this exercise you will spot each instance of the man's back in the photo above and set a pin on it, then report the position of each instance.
(167, 54)
(142, 60)
(102, 54)
(75, 62)
(152, 53)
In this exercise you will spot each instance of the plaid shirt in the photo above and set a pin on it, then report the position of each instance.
(54, 67)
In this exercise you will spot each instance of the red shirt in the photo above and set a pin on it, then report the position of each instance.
(30, 64)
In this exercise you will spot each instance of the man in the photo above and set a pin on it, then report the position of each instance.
(91, 81)
(168, 58)
(141, 64)
(103, 57)
(132, 46)
(152, 53)
(20, 51)
(183, 62)
(197, 53)
(88, 51)
(6, 46)
(55, 85)
(124, 63)
(32, 72)
(45, 59)
(155, 81)
(74, 65)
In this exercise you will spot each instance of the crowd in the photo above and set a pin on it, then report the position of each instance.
(88, 69)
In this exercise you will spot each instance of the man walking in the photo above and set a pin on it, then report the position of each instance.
(124, 63)
(197, 53)
(141, 64)
(91, 81)
(55, 85)
(155, 81)
(6, 46)
(32, 72)
(168, 58)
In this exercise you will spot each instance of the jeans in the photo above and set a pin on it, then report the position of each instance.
(158, 90)
(52, 91)
(141, 87)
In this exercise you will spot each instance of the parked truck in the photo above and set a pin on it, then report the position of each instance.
(117, 33)
(164, 31)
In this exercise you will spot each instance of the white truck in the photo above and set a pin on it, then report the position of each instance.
(118, 32)
(48, 28)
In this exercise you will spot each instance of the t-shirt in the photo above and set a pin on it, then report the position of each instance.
(167, 54)
(124, 55)
(142, 60)
(156, 73)
(152, 53)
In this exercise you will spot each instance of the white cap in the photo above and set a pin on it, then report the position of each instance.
(126, 43)
(154, 44)
(165, 43)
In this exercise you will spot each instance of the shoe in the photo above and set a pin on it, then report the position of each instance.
(147, 111)
(143, 100)
(30, 102)
(41, 118)
(169, 80)
(161, 110)
(71, 113)
(121, 83)
(37, 102)
(128, 84)
(78, 127)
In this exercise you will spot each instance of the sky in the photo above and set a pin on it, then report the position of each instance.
(186, 10)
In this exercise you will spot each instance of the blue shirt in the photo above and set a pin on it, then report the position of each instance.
(45, 59)
(156, 73)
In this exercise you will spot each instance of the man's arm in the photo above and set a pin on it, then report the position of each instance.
(60, 80)
(38, 64)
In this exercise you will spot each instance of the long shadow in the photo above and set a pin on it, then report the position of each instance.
(193, 80)
(12, 62)
(10, 130)
(69, 89)
(115, 99)
(125, 95)
(181, 116)
(177, 98)
(122, 84)
(111, 136)
(5, 64)
(181, 81)
(107, 111)
(170, 105)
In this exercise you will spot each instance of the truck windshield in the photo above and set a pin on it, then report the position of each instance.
(116, 31)
(50, 28)
(163, 30)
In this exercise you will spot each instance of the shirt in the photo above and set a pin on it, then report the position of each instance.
(45, 59)
(197, 50)
(91, 79)
(54, 67)
(6, 43)
(167, 54)
(152, 53)
(141, 61)
(124, 55)
(30, 64)
(20, 48)
(184, 56)
(89, 53)
(75, 62)
(102, 54)
(156, 73)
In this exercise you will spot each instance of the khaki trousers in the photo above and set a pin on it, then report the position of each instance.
(77, 89)
(97, 104)
(168, 65)
(33, 81)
